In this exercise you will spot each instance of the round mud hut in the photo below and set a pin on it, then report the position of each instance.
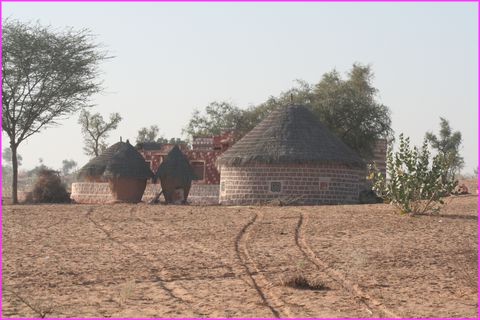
(291, 158)
(123, 167)
(176, 175)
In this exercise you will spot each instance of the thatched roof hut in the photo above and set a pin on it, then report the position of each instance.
(123, 167)
(175, 172)
(119, 160)
(290, 154)
(290, 134)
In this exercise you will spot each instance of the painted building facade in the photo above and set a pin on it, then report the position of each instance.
(202, 155)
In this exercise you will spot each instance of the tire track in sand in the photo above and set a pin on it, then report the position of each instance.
(369, 301)
(263, 287)
(174, 291)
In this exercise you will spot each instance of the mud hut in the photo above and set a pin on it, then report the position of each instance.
(123, 168)
(176, 175)
(291, 157)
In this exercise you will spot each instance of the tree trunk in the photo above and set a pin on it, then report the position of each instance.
(95, 150)
(14, 174)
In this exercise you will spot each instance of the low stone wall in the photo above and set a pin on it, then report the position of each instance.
(204, 194)
(91, 192)
(99, 192)
(150, 191)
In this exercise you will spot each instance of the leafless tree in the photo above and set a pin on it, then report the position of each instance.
(95, 131)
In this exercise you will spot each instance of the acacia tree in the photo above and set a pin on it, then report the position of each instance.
(95, 131)
(47, 75)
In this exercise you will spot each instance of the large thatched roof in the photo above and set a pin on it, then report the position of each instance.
(176, 164)
(119, 160)
(290, 134)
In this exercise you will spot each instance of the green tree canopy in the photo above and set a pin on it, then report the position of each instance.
(350, 110)
(148, 134)
(447, 144)
(218, 118)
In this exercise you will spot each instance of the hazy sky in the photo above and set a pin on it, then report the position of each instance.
(171, 58)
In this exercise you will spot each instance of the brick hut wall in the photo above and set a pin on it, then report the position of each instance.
(380, 156)
(315, 184)
(91, 192)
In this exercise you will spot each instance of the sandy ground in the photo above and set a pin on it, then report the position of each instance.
(216, 261)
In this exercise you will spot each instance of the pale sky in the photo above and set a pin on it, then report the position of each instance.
(173, 57)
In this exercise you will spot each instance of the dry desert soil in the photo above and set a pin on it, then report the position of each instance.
(142, 260)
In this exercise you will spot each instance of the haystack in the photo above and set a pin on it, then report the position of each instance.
(175, 174)
(49, 188)
(290, 155)
(123, 167)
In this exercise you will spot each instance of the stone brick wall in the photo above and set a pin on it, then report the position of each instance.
(204, 194)
(91, 192)
(150, 191)
(380, 156)
(97, 193)
(307, 184)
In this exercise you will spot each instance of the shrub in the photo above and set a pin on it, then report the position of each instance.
(49, 188)
(300, 281)
(415, 186)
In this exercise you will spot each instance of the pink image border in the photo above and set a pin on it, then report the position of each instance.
(268, 1)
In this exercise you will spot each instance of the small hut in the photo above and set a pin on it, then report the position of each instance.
(176, 175)
(123, 167)
(290, 156)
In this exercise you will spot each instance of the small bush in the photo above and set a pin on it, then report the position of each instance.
(415, 185)
(300, 281)
(49, 188)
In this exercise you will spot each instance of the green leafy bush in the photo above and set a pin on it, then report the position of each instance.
(415, 186)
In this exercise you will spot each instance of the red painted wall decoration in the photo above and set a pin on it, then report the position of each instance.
(202, 155)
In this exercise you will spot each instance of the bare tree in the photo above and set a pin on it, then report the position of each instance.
(95, 131)
(47, 75)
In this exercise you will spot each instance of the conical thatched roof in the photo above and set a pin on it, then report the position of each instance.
(119, 160)
(290, 134)
(176, 164)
